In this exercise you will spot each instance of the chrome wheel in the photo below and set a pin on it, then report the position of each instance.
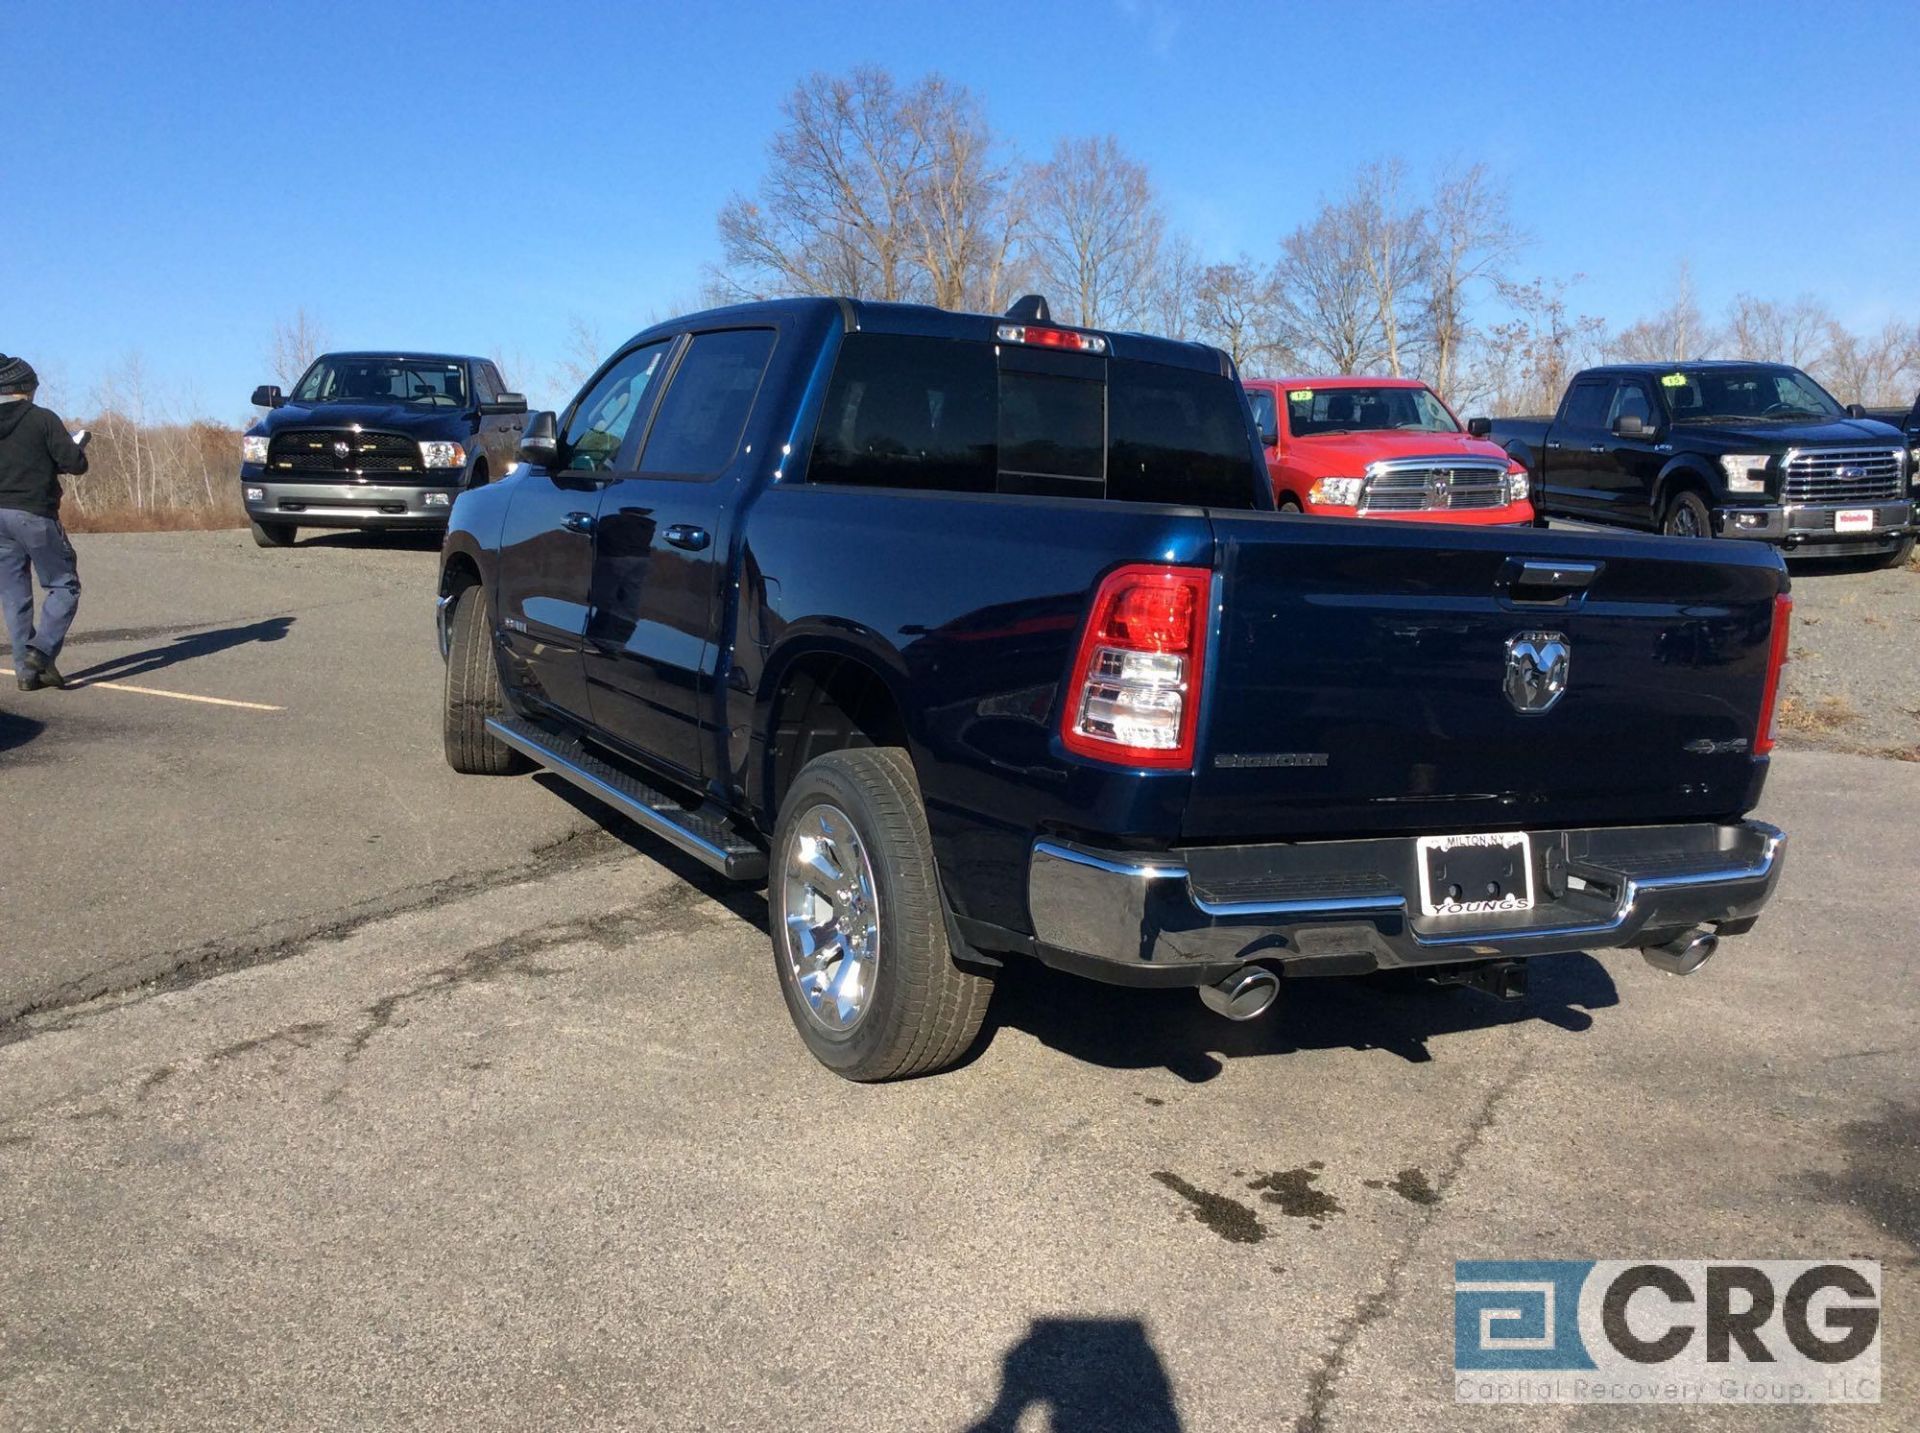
(829, 918)
(1683, 521)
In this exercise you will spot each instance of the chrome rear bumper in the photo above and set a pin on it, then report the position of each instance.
(1349, 906)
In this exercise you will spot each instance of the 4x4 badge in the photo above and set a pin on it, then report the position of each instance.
(1536, 670)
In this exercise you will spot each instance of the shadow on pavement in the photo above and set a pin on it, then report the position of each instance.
(1126, 1029)
(17, 730)
(1092, 1375)
(182, 649)
(402, 539)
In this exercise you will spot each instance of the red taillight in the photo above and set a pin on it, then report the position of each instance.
(1134, 693)
(1051, 337)
(1776, 659)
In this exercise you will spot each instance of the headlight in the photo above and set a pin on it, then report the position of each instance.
(253, 449)
(1518, 484)
(1336, 492)
(442, 455)
(1746, 472)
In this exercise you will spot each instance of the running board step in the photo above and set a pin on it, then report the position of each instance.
(707, 836)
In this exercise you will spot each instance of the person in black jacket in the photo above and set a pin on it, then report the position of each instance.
(35, 449)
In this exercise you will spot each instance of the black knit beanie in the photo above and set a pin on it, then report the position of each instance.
(17, 375)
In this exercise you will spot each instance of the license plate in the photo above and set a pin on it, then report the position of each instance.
(1475, 875)
(1853, 520)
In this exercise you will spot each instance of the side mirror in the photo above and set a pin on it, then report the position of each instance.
(1856, 410)
(540, 442)
(268, 395)
(1269, 438)
(506, 403)
(1479, 427)
(1629, 425)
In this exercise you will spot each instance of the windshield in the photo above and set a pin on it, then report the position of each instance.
(1315, 411)
(1716, 395)
(415, 382)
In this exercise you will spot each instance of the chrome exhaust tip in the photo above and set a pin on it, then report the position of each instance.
(1683, 954)
(1247, 994)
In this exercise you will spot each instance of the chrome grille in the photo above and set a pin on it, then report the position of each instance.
(1434, 485)
(317, 450)
(1845, 475)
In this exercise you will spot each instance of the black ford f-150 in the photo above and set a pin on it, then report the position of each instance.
(375, 440)
(1753, 450)
(976, 638)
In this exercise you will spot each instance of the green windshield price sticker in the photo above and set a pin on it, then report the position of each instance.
(1673, 380)
(1300, 395)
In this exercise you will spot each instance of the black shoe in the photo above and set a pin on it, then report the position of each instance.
(41, 665)
(29, 681)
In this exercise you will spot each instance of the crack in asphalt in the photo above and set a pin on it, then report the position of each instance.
(143, 976)
(1372, 1307)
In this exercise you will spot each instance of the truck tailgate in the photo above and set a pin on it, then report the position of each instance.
(1360, 680)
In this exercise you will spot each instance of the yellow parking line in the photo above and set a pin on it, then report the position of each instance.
(158, 692)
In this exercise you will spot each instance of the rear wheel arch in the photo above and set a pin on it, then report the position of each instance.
(826, 701)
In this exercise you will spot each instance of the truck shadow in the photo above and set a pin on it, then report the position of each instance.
(1091, 1375)
(394, 539)
(1126, 1029)
(182, 649)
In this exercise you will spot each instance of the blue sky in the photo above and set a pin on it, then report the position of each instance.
(472, 176)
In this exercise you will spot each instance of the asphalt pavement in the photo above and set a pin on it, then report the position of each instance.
(437, 1112)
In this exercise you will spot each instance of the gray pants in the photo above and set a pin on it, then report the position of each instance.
(39, 543)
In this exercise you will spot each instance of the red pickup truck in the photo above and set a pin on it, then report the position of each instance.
(1381, 447)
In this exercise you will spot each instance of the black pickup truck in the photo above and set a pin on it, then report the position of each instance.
(375, 440)
(1752, 450)
(978, 638)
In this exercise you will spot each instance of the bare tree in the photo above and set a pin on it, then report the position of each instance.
(1176, 289)
(1798, 332)
(966, 213)
(1235, 308)
(1873, 368)
(580, 357)
(296, 342)
(1329, 312)
(1095, 233)
(1523, 363)
(836, 209)
(1674, 334)
(1470, 236)
(1390, 238)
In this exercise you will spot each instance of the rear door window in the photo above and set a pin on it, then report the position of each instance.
(1265, 411)
(1587, 405)
(701, 418)
(947, 414)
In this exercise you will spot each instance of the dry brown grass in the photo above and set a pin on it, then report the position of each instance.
(124, 517)
(1821, 717)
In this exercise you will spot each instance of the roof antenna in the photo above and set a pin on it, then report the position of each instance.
(1030, 309)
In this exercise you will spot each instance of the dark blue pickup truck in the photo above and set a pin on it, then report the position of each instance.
(976, 638)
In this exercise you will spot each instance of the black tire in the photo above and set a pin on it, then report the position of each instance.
(1902, 550)
(921, 1010)
(273, 534)
(473, 693)
(1687, 516)
(1289, 504)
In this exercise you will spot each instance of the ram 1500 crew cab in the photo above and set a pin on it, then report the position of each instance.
(1753, 450)
(375, 440)
(979, 638)
(1380, 447)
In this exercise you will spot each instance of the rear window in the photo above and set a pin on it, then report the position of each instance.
(700, 420)
(943, 414)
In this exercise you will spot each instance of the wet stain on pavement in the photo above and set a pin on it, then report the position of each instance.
(1882, 1174)
(1229, 1218)
(1411, 1185)
(1293, 1190)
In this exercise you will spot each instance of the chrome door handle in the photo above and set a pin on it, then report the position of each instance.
(1598, 448)
(684, 534)
(577, 522)
(1553, 445)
